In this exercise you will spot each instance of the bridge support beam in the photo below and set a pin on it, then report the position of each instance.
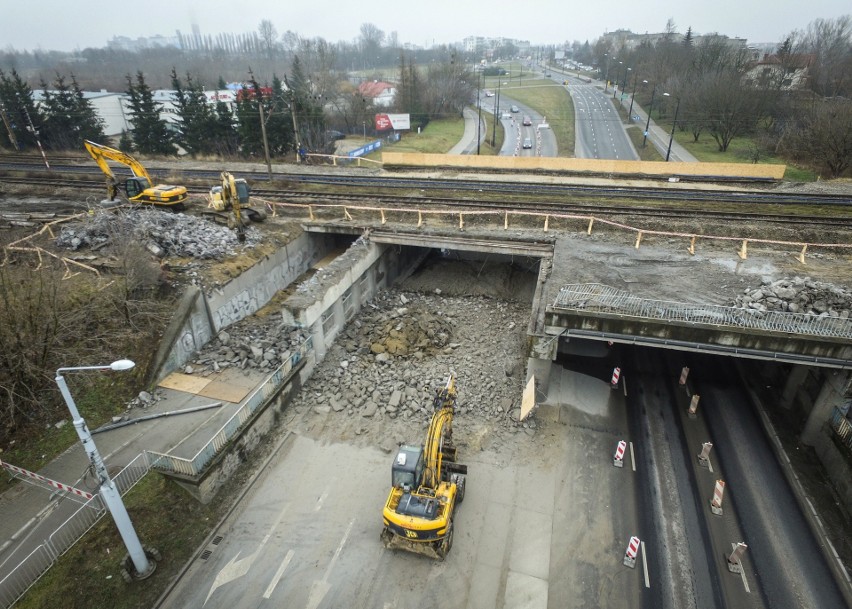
(791, 387)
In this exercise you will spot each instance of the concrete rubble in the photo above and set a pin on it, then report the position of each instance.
(798, 295)
(163, 233)
(389, 360)
(256, 342)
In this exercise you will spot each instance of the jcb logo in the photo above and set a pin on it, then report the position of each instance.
(412, 534)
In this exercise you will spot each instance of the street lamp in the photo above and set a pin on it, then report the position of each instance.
(674, 123)
(623, 82)
(650, 107)
(479, 113)
(633, 98)
(606, 73)
(108, 492)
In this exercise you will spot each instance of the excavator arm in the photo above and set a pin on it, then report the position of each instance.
(143, 190)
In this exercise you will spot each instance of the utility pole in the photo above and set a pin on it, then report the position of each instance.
(496, 111)
(34, 131)
(479, 114)
(265, 141)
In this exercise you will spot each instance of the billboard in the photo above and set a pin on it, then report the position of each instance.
(392, 121)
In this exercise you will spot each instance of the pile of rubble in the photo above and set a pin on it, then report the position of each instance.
(163, 233)
(798, 295)
(389, 360)
(263, 343)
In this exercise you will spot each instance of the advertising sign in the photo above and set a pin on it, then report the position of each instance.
(393, 121)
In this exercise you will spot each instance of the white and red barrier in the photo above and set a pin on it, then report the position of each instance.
(704, 455)
(735, 564)
(630, 554)
(616, 374)
(683, 374)
(618, 459)
(693, 406)
(52, 483)
(718, 495)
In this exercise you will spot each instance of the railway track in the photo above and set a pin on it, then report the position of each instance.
(836, 211)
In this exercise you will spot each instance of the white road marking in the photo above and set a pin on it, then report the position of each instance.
(709, 465)
(321, 587)
(632, 458)
(237, 568)
(277, 577)
(321, 500)
(645, 566)
(625, 385)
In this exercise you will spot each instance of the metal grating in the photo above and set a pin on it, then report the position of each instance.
(598, 298)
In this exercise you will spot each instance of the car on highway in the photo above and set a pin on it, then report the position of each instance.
(527, 121)
(515, 109)
(527, 142)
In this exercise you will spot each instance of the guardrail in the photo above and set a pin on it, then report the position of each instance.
(605, 299)
(344, 160)
(30, 569)
(842, 428)
(195, 465)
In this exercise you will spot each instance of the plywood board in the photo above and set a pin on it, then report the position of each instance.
(184, 382)
(227, 392)
(528, 399)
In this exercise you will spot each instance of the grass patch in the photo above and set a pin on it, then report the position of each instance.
(552, 101)
(89, 574)
(437, 138)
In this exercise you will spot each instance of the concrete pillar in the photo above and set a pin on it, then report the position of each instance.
(830, 396)
(791, 387)
(319, 340)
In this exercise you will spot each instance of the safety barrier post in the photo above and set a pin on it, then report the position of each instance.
(693, 406)
(630, 554)
(683, 374)
(718, 495)
(591, 222)
(618, 459)
(735, 564)
(616, 373)
(704, 455)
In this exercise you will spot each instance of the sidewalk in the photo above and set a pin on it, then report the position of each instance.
(467, 143)
(29, 514)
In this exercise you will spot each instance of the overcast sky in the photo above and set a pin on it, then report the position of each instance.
(67, 25)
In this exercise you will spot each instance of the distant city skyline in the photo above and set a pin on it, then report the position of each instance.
(63, 26)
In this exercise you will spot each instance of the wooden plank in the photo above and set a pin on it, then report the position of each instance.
(528, 399)
(227, 392)
(184, 382)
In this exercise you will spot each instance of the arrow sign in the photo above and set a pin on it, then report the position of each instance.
(321, 587)
(235, 569)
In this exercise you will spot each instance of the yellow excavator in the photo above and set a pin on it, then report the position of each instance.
(232, 201)
(427, 483)
(139, 188)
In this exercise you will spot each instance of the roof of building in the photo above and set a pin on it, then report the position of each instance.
(374, 88)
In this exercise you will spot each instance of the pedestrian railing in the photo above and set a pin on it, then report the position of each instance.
(20, 579)
(193, 466)
(842, 428)
(595, 297)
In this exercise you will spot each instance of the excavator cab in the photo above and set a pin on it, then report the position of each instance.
(136, 186)
(407, 469)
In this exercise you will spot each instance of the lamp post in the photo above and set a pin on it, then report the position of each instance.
(606, 73)
(650, 107)
(633, 97)
(674, 123)
(496, 112)
(108, 492)
(479, 112)
(623, 82)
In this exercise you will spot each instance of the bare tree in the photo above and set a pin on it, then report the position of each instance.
(830, 42)
(268, 37)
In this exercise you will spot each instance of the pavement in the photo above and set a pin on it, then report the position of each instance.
(30, 513)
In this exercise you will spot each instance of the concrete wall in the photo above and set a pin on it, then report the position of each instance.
(199, 318)
(595, 166)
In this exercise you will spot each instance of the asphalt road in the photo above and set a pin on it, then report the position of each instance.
(542, 139)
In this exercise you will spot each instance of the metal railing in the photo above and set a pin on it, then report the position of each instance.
(595, 297)
(842, 428)
(30, 569)
(194, 465)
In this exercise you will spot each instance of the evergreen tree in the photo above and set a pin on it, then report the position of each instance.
(23, 116)
(196, 119)
(279, 125)
(226, 139)
(248, 119)
(125, 143)
(151, 135)
(69, 117)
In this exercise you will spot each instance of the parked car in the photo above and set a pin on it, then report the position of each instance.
(527, 142)
(527, 121)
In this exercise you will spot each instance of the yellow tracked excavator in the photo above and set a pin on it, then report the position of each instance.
(231, 202)
(427, 483)
(139, 188)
